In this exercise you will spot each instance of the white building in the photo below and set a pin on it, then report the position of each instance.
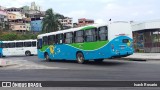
(146, 25)
(35, 7)
(2, 8)
(66, 22)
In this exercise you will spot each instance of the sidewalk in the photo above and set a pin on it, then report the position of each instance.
(4, 63)
(143, 56)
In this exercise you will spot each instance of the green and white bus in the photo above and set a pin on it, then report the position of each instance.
(93, 42)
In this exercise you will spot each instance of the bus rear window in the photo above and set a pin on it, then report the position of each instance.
(125, 40)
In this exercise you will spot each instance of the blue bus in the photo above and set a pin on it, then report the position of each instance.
(93, 42)
(1, 49)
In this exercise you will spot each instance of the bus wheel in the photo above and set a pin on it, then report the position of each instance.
(47, 57)
(80, 58)
(28, 53)
(98, 60)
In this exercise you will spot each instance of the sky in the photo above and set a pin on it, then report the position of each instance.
(99, 10)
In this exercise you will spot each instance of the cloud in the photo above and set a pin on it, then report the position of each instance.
(150, 12)
(100, 21)
(78, 13)
(99, 10)
(19, 3)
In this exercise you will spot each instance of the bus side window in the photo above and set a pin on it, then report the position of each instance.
(11, 45)
(2, 45)
(68, 37)
(6, 45)
(34, 44)
(79, 36)
(39, 44)
(51, 39)
(27, 44)
(90, 35)
(59, 39)
(103, 33)
(45, 40)
(19, 44)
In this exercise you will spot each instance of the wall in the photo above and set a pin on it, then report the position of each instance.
(11, 16)
(24, 27)
(28, 26)
(36, 25)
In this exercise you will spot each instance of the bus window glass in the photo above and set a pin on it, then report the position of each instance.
(51, 40)
(125, 40)
(79, 36)
(2, 45)
(19, 44)
(27, 44)
(103, 35)
(5, 45)
(90, 35)
(11, 45)
(79, 33)
(34, 44)
(39, 45)
(59, 38)
(69, 37)
(45, 40)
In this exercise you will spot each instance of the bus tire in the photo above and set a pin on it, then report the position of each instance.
(98, 60)
(46, 57)
(80, 58)
(28, 53)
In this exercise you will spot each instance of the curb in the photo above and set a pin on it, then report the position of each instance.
(131, 59)
(135, 59)
(139, 59)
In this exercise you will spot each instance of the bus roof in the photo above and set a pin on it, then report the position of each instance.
(66, 30)
(20, 40)
(79, 28)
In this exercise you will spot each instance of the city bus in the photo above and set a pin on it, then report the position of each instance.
(18, 47)
(93, 42)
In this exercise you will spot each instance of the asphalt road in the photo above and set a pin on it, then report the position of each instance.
(67, 70)
(109, 70)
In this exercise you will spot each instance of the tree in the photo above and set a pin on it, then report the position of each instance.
(50, 22)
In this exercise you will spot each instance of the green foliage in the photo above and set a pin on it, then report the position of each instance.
(9, 36)
(13, 36)
(50, 22)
